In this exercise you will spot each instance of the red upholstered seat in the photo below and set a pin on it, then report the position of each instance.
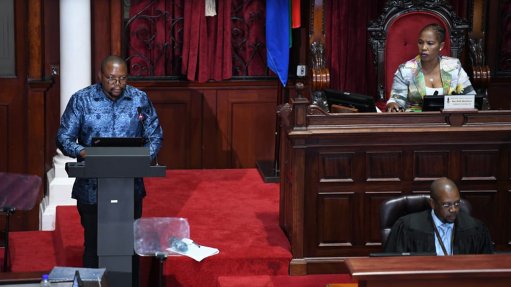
(394, 34)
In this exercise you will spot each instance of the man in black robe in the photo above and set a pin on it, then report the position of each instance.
(443, 229)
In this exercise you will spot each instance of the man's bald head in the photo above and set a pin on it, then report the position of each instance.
(112, 59)
(445, 199)
(113, 76)
(441, 186)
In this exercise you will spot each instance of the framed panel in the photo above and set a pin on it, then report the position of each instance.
(336, 167)
(249, 142)
(179, 112)
(336, 220)
(506, 213)
(479, 164)
(241, 116)
(3, 143)
(7, 45)
(372, 205)
(384, 166)
(485, 207)
(430, 165)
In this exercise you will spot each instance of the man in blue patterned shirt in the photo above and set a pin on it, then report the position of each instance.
(110, 108)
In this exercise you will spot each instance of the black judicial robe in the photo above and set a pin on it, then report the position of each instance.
(414, 233)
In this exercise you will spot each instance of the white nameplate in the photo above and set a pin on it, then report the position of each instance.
(459, 102)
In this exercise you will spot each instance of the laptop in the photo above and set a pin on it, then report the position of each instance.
(117, 142)
(362, 103)
(393, 254)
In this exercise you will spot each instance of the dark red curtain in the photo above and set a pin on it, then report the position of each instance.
(174, 37)
(207, 42)
(348, 52)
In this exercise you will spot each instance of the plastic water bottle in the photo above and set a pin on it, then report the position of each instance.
(44, 281)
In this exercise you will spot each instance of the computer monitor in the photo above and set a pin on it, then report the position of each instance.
(436, 102)
(118, 142)
(363, 103)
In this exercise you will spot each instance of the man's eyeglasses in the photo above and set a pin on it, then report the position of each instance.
(113, 81)
(448, 205)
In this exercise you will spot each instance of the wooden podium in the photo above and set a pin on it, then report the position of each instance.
(116, 168)
(426, 271)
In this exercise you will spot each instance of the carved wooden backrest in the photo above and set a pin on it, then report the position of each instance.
(393, 35)
(320, 75)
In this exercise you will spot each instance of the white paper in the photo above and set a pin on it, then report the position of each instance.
(195, 251)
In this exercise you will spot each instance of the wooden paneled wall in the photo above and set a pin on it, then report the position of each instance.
(224, 125)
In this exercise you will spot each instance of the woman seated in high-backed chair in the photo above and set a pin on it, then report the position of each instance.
(429, 73)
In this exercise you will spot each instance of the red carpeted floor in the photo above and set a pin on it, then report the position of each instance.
(232, 210)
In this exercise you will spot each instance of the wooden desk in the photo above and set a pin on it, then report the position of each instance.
(337, 169)
(19, 278)
(428, 271)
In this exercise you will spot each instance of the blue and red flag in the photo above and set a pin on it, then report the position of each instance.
(278, 33)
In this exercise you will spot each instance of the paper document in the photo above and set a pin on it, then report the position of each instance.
(191, 249)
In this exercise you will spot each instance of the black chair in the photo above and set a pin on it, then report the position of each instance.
(7, 212)
(17, 192)
(392, 209)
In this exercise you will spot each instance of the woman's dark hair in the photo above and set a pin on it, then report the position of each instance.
(437, 28)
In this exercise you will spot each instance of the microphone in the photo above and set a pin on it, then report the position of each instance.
(141, 119)
(140, 115)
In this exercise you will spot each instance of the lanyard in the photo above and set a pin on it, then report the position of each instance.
(441, 241)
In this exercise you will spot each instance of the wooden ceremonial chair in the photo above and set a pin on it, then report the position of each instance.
(392, 209)
(393, 35)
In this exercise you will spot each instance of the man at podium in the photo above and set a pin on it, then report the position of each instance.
(107, 109)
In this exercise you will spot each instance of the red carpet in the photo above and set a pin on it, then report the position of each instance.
(232, 210)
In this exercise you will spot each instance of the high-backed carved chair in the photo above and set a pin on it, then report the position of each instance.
(392, 209)
(393, 35)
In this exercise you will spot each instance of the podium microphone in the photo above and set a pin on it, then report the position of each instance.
(140, 115)
(141, 119)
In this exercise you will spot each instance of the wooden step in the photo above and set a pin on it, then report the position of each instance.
(32, 251)
(68, 237)
(323, 280)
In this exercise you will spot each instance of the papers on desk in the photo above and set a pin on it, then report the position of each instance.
(193, 250)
